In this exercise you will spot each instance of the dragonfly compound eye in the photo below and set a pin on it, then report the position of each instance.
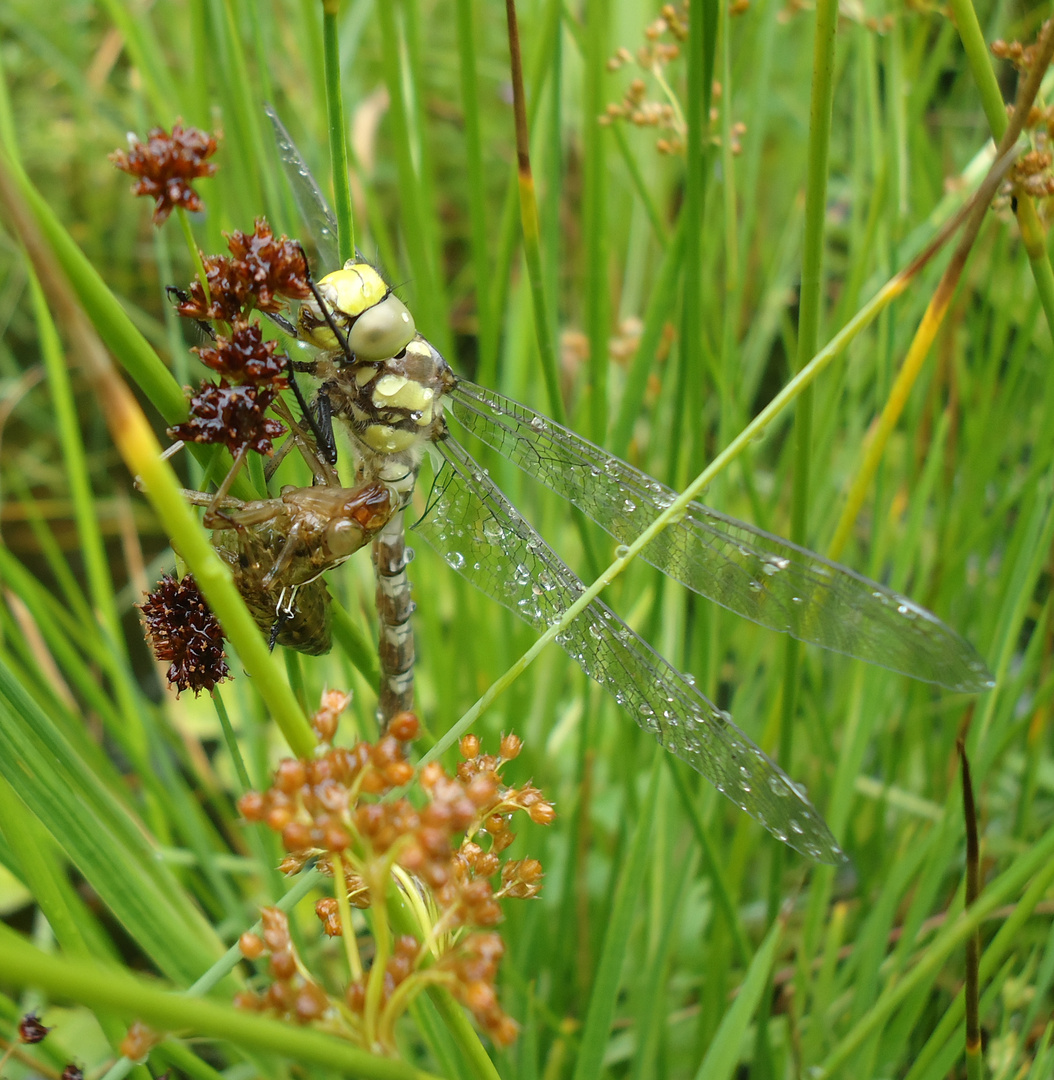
(381, 331)
(377, 324)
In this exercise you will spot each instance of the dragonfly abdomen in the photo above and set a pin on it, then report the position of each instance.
(394, 608)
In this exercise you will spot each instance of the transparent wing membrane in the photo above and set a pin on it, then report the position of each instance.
(481, 535)
(314, 210)
(757, 575)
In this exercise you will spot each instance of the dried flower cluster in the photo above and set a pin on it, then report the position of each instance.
(663, 40)
(340, 810)
(166, 164)
(1033, 173)
(260, 271)
(31, 1030)
(1040, 122)
(293, 994)
(1023, 57)
(234, 416)
(182, 630)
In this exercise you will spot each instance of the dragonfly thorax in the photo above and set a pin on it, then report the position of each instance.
(373, 320)
(394, 406)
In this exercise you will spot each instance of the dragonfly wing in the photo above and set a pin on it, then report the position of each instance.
(757, 575)
(314, 210)
(482, 536)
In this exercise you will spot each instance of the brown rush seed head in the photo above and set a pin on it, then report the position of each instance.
(230, 292)
(31, 1030)
(283, 964)
(245, 358)
(310, 1003)
(511, 745)
(275, 927)
(337, 808)
(165, 166)
(1022, 56)
(328, 914)
(251, 946)
(233, 416)
(404, 726)
(182, 630)
(324, 722)
(252, 806)
(274, 267)
(260, 271)
(248, 1001)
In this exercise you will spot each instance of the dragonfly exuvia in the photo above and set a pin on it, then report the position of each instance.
(278, 550)
(395, 395)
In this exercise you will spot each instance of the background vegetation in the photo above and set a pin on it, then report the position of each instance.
(674, 937)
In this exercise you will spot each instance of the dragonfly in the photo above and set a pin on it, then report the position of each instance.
(396, 396)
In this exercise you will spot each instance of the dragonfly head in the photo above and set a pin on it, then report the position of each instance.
(376, 323)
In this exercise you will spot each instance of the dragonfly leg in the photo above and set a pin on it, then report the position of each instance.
(284, 558)
(205, 498)
(320, 462)
(285, 609)
(243, 516)
(320, 421)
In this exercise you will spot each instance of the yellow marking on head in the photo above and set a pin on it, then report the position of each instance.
(348, 293)
(356, 288)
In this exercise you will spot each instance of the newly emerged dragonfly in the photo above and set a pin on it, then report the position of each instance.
(395, 393)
